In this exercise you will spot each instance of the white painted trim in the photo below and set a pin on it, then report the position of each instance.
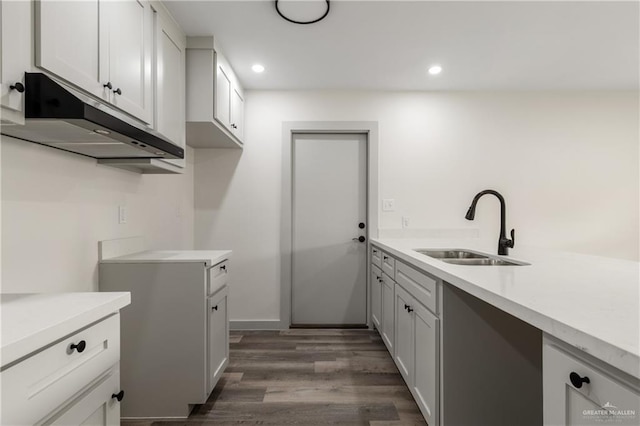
(369, 128)
(256, 325)
(109, 249)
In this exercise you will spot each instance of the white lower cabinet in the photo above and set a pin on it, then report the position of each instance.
(218, 336)
(73, 381)
(376, 297)
(409, 327)
(97, 407)
(387, 329)
(175, 334)
(577, 392)
(417, 351)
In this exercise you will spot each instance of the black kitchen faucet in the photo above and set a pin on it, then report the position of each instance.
(503, 243)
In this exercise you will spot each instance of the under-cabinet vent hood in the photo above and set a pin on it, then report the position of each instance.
(56, 117)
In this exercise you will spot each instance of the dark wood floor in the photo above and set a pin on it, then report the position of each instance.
(307, 377)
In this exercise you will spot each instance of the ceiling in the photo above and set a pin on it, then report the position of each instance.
(389, 45)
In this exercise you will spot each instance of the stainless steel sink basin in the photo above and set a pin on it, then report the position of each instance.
(468, 257)
(452, 254)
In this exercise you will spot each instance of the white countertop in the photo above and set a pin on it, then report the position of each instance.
(209, 257)
(590, 302)
(31, 321)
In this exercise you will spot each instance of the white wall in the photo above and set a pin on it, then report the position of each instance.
(56, 206)
(566, 162)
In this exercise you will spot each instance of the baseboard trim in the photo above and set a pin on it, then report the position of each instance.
(257, 325)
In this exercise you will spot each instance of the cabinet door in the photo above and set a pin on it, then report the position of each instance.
(376, 297)
(602, 400)
(404, 334)
(95, 407)
(15, 59)
(237, 113)
(218, 336)
(388, 313)
(426, 355)
(170, 82)
(130, 56)
(72, 43)
(222, 107)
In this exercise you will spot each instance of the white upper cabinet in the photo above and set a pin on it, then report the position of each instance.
(237, 114)
(70, 39)
(170, 43)
(103, 47)
(129, 58)
(222, 98)
(215, 99)
(15, 40)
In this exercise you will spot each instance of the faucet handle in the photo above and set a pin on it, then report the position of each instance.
(512, 241)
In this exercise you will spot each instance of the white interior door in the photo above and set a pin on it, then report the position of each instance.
(329, 203)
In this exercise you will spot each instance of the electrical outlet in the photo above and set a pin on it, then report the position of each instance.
(388, 205)
(122, 214)
(405, 222)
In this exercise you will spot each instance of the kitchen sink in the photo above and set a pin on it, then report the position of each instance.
(452, 254)
(468, 257)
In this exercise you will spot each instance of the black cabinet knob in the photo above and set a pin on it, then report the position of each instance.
(214, 308)
(108, 85)
(577, 381)
(385, 257)
(406, 306)
(118, 395)
(361, 225)
(223, 268)
(18, 87)
(80, 347)
(409, 309)
(118, 91)
(375, 251)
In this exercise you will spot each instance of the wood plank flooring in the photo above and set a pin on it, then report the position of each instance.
(306, 377)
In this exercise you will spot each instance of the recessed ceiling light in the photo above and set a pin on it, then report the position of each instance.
(435, 70)
(257, 68)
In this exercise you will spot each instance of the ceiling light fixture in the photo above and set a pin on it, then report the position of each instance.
(293, 21)
(435, 70)
(257, 68)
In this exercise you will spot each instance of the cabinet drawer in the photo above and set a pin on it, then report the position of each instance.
(218, 277)
(36, 386)
(602, 400)
(389, 265)
(376, 256)
(421, 286)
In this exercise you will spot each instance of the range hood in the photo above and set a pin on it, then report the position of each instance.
(64, 119)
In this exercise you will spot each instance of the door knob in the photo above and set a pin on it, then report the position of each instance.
(361, 225)
(118, 395)
(360, 238)
(18, 87)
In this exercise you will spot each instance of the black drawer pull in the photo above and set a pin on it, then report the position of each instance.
(118, 395)
(577, 381)
(409, 309)
(223, 268)
(214, 308)
(80, 347)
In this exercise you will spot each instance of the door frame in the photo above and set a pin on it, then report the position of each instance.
(289, 129)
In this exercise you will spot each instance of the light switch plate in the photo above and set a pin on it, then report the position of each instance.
(388, 205)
